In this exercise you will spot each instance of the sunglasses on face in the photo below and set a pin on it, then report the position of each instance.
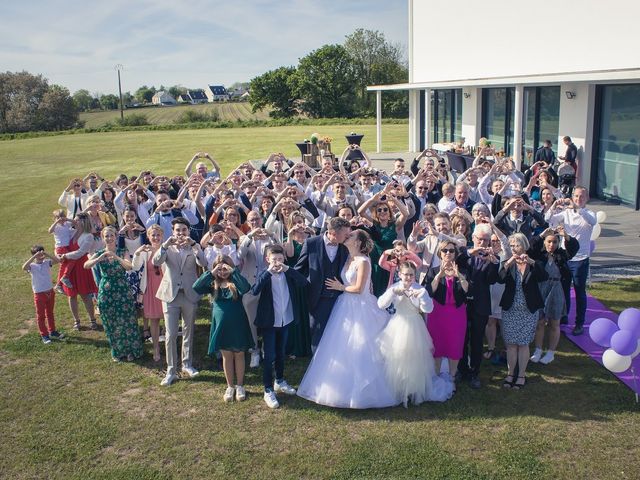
(380, 210)
(448, 250)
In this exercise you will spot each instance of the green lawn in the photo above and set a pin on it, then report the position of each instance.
(227, 111)
(67, 411)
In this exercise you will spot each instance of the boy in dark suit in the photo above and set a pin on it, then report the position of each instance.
(276, 311)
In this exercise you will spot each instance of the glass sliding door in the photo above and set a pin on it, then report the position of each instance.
(548, 115)
(446, 115)
(497, 117)
(618, 133)
(541, 113)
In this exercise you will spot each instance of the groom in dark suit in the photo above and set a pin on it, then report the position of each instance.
(323, 257)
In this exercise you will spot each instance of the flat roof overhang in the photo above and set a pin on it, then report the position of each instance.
(595, 76)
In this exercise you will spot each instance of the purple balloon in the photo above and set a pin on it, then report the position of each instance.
(601, 330)
(624, 342)
(629, 319)
(592, 246)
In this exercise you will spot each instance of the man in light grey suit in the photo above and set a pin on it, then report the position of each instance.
(251, 253)
(181, 256)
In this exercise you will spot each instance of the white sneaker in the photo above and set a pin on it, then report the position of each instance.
(535, 358)
(228, 394)
(255, 359)
(168, 380)
(284, 387)
(271, 400)
(548, 357)
(190, 371)
(241, 394)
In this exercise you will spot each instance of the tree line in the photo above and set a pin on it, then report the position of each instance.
(331, 81)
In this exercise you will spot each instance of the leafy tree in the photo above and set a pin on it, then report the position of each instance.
(83, 100)
(144, 94)
(376, 62)
(325, 83)
(28, 103)
(57, 110)
(176, 91)
(109, 102)
(127, 98)
(274, 89)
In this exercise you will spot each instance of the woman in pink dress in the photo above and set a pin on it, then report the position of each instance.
(447, 324)
(150, 278)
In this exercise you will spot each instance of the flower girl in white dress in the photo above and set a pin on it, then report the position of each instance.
(406, 345)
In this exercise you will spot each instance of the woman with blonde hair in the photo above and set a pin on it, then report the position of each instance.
(81, 281)
(116, 303)
(151, 276)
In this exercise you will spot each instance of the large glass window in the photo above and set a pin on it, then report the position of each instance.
(540, 119)
(618, 132)
(497, 117)
(446, 115)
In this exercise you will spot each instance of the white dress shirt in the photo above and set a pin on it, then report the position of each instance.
(282, 308)
(332, 250)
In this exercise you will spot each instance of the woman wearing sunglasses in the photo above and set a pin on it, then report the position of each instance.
(447, 323)
(379, 210)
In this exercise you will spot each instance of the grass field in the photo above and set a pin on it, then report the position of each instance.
(227, 111)
(67, 411)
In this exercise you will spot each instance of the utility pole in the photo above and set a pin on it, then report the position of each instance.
(119, 67)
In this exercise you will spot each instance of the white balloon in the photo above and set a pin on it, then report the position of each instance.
(601, 216)
(637, 352)
(595, 233)
(615, 362)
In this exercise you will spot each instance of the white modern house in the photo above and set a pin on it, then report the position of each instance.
(522, 72)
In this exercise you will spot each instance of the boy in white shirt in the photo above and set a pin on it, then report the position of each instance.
(39, 266)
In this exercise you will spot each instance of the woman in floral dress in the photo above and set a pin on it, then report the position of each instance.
(117, 305)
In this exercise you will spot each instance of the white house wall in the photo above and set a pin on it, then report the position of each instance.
(470, 39)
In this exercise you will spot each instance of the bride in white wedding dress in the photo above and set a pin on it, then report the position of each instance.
(347, 369)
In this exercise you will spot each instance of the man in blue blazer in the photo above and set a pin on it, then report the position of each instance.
(323, 257)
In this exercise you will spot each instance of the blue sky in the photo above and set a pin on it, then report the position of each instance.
(77, 43)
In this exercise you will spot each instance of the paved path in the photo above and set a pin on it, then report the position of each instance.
(618, 245)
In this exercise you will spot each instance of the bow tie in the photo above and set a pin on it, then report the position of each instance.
(165, 214)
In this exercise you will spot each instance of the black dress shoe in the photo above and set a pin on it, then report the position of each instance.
(578, 330)
(459, 376)
(564, 321)
(475, 382)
